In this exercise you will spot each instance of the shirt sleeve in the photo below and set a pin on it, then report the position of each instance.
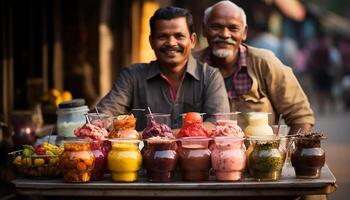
(286, 94)
(215, 99)
(118, 99)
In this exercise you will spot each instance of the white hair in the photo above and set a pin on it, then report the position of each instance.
(208, 11)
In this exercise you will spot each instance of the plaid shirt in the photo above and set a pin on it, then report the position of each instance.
(241, 81)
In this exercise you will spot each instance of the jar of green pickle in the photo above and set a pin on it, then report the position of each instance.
(266, 160)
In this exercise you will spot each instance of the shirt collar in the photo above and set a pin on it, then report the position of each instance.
(191, 68)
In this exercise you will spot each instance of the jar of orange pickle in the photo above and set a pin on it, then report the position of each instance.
(124, 127)
(77, 160)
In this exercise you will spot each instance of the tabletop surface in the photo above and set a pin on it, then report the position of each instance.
(287, 185)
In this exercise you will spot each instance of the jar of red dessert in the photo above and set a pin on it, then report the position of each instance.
(194, 157)
(160, 159)
(228, 158)
(77, 161)
(308, 157)
(97, 148)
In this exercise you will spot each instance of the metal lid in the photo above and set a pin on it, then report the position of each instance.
(72, 104)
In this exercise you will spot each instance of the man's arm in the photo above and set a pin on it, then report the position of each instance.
(295, 128)
(287, 96)
(118, 99)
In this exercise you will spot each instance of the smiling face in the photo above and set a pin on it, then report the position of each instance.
(172, 42)
(225, 30)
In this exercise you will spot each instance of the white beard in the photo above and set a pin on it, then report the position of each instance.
(222, 53)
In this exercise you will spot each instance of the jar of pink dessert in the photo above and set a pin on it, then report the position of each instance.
(228, 158)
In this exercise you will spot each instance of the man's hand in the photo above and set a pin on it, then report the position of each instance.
(303, 127)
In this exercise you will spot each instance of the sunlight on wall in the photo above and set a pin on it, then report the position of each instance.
(146, 52)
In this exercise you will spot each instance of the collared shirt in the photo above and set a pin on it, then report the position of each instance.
(239, 83)
(142, 86)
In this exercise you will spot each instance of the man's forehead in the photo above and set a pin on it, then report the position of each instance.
(218, 14)
(175, 23)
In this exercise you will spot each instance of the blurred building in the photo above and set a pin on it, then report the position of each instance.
(80, 45)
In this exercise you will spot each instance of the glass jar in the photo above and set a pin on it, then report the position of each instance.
(194, 157)
(265, 161)
(77, 161)
(101, 120)
(308, 157)
(258, 124)
(97, 148)
(158, 124)
(124, 127)
(160, 159)
(70, 115)
(226, 125)
(124, 160)
(228, 158)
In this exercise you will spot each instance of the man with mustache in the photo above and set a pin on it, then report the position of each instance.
(255, 79)
(175, 83)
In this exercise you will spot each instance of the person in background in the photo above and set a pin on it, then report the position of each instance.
(175, 83)
(255, 78)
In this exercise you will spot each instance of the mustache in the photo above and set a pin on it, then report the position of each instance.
(228, 40)
(171, 48)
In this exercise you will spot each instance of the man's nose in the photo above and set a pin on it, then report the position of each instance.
(225, 33)
(171, 41)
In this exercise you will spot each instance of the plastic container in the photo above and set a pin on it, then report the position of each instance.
(124, 160)
(194, 158)
(308, 158)
(70, 115)
(160, 159)
(228, 158)
(266, 160)
(77, 161)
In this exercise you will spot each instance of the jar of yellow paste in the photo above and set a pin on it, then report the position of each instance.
(124, 160)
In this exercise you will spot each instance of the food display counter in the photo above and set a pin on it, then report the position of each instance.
(288, 185)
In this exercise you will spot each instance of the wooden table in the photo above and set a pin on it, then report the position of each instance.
(288, 185)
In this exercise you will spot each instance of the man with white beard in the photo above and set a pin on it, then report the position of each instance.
(255, 78)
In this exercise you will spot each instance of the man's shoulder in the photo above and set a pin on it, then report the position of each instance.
(259, 53)
(138, 69)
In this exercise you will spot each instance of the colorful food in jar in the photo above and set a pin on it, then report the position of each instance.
(265, 161)
(192, 126)
(258, 124)
(226, 125)
(160, 159)
(158, 125)
(228, 158)
(97, 148)
(91, 131)
(41, 161)
(77, 161)
(124, 160)
(308, 158)
(194, 158)
(124, 127)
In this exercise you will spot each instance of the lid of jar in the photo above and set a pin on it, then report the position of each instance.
(72, 104)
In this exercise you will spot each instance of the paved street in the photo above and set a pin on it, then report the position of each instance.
(337, 148)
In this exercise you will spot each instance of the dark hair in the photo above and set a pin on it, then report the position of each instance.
(170, 12)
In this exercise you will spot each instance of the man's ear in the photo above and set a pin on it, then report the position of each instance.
(245, 33)
(150, 39)
(193, 39)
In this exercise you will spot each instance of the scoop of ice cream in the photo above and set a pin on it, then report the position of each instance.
(227, 128)
(157, 129)
(91, 131)
(193, 130)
